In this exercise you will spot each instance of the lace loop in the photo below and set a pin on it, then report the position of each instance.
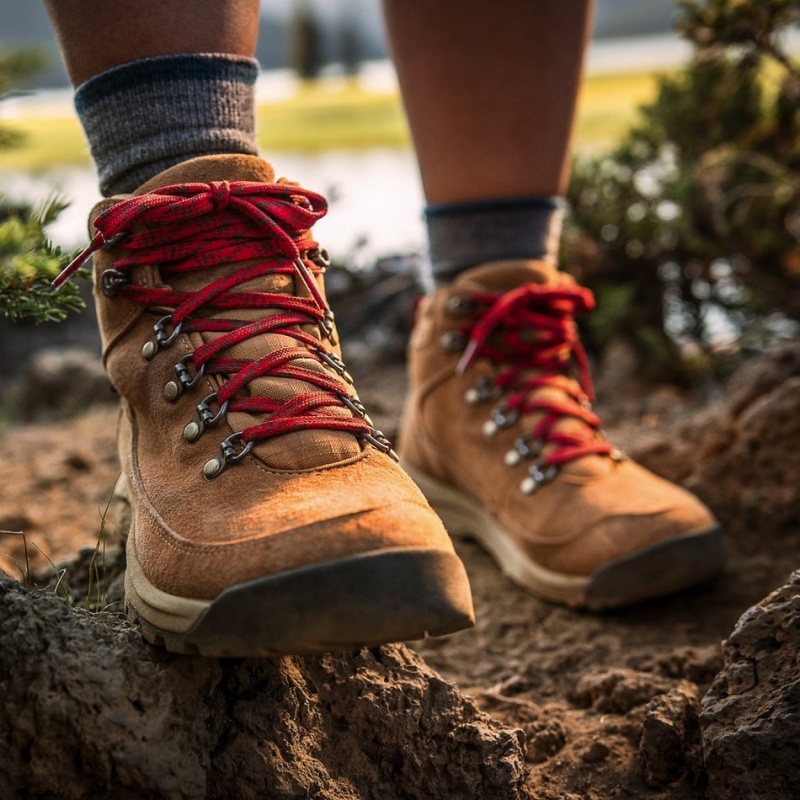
(530, 334)
(254, 230)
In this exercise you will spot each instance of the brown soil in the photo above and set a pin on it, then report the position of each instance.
(608, 704)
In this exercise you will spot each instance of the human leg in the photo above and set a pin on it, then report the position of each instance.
(155, 88)
(490, 92)
(95, 37)
(490, 95)
(268, 515)
(498, 429)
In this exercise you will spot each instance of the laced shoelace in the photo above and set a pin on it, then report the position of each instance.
(530, 333)
(196, 226)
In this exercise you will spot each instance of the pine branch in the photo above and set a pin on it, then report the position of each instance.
(28, 263)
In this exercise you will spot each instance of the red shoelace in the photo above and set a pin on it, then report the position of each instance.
(197, 226)
(530, 332)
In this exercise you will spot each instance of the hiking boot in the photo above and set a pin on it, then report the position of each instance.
(499, 434)
(269, 516)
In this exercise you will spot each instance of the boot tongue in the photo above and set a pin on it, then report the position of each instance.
(206, 169)
(498, 277)
(307, 449)
(503, 276)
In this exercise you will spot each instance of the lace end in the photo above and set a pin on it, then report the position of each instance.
(77, 262)
(466, 356)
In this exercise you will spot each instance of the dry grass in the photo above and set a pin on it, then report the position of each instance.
(319, 118)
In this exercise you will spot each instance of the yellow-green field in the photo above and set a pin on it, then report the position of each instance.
(319, 118)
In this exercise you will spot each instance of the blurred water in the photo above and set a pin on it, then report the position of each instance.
(374, 193)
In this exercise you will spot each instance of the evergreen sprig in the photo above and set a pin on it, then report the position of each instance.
(697, 212)
(28, 259)
(28, 263)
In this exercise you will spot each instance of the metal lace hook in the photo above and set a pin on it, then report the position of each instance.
(326, 324)
(205, 418)
(379, 441)
(183, 379)
(227, 455)
(538, 477)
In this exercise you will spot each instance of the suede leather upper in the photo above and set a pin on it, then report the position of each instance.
(301, 498)
(597, 509)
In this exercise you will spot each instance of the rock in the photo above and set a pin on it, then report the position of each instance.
(617, 691)
(59, 382)
(545, 736)
(595, 753)
(751, 714)
(696, 664)
(670, 747)
(88, 708)
(743, 460)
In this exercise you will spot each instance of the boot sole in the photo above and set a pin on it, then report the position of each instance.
(661, 569)
(391, 595)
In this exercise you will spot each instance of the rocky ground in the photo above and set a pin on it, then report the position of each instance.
(672, 699)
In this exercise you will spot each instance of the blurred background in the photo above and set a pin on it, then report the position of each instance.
(685, 198)
(329, 112)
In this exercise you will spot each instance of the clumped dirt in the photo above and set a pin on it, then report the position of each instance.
(608, 705)
(89, 710)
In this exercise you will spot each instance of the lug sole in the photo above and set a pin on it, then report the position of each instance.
(389, 595)
(661, 569)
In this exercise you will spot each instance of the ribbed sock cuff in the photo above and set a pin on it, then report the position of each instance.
(464, 235)
(146, 116)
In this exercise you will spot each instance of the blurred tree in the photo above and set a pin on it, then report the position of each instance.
(15, 66)
(306, 55)
(28, 260)
(691, 227)
(351, 50)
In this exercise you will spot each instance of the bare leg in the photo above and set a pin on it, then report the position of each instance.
(159, 81)
(490, 92)
(95, 36)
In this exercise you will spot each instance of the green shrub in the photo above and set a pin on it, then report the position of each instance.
(28, 259)
(689, 232)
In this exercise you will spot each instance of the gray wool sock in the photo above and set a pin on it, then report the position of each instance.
(464, 235)
(145, 116)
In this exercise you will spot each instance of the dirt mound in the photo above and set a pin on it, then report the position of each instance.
(90, 710)
(585, 706)
(751, 713)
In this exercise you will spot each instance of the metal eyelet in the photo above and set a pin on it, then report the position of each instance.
(523, 449)
(205, 418)
(319, 256)
(502, 417)
(453, 341)
(114, 240)
(458, 306)
(538, 477)
(227, 455)
(183, 380)
(112, 280)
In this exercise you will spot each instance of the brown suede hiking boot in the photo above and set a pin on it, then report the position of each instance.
(499, 434)
(269, 516)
